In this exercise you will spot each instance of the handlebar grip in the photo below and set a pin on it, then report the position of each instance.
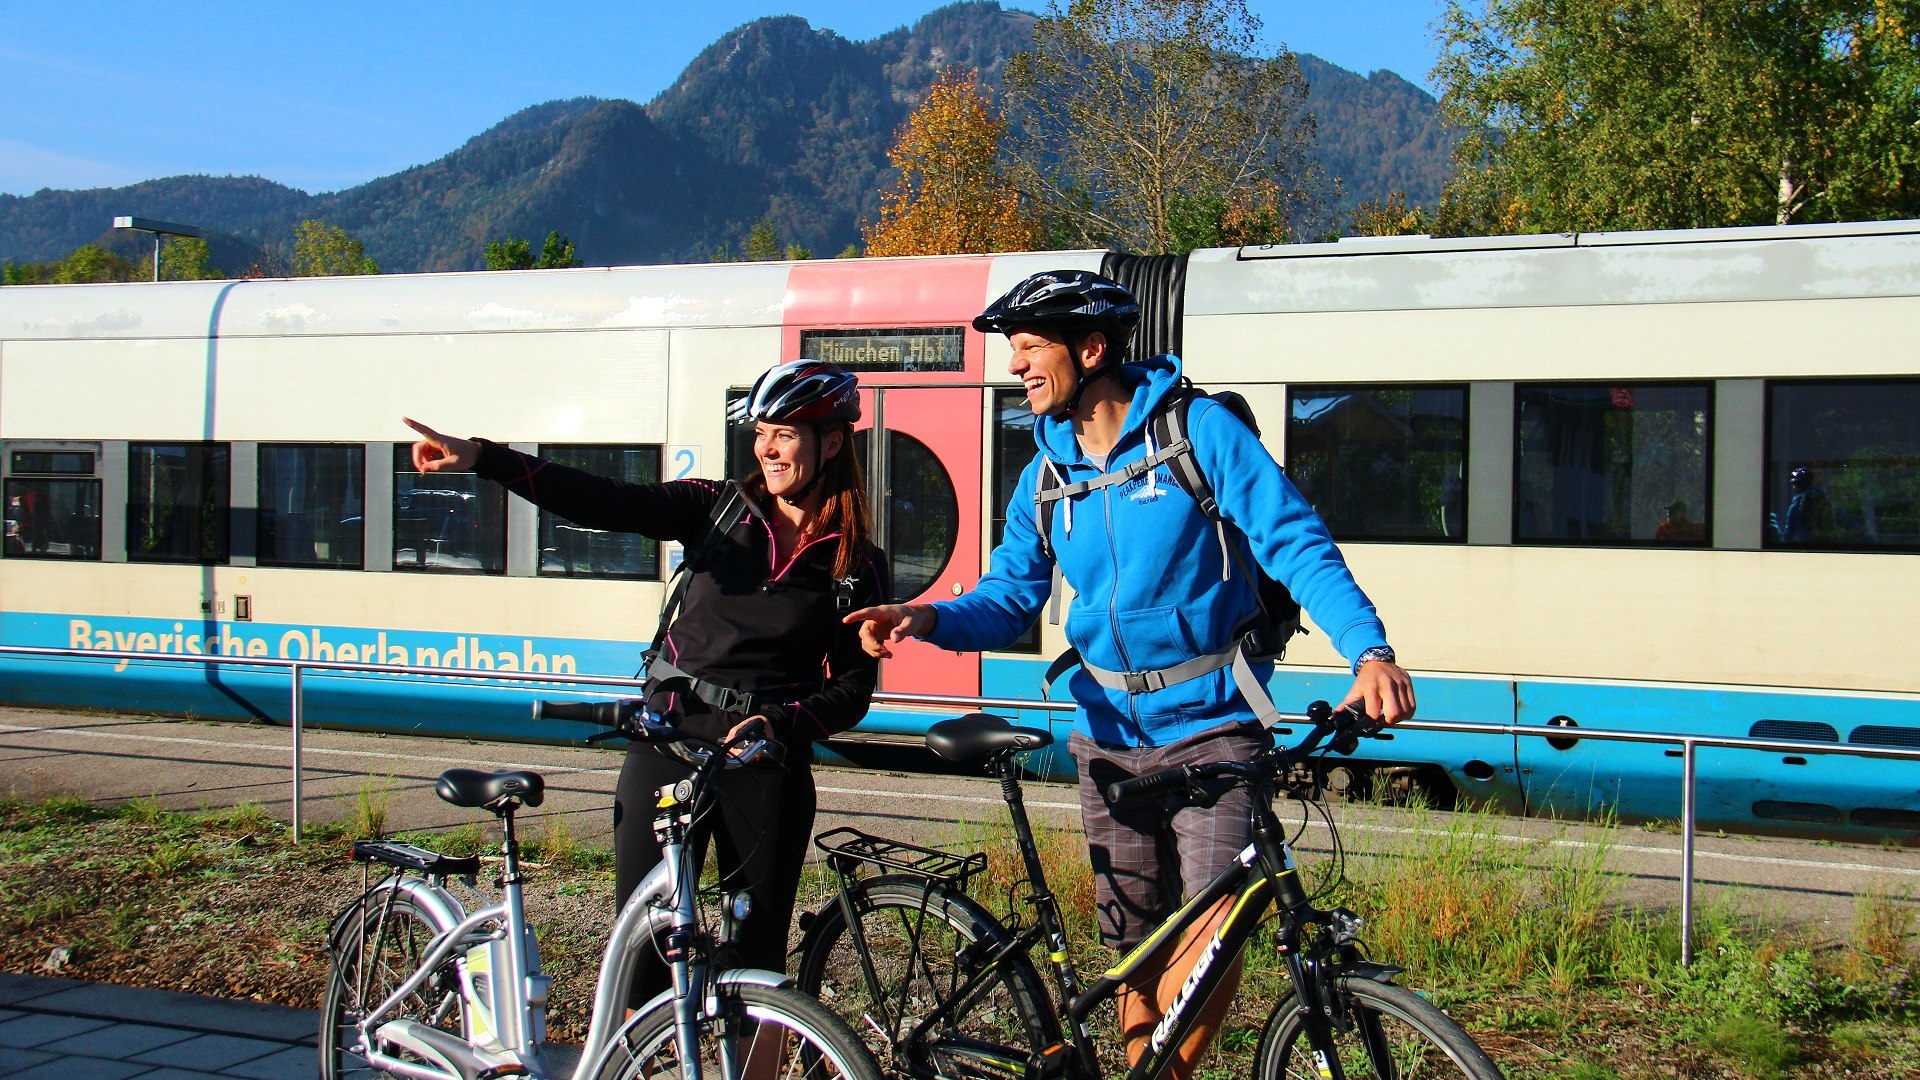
(612, 714)
(1149, 784)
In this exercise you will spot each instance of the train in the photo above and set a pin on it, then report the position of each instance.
(1651, 481)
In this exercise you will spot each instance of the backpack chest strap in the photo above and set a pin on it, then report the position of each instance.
(1044, 495)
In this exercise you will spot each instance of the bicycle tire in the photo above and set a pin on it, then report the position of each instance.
(808, 1041)
(1010, 1010)
(1422, 1042)
(353, 986)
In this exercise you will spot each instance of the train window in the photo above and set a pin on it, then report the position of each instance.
(920, 513)
(452, 523)
(1382, 462)
(311, 510)
(1013, 448)
(1843, 465)
(177, 502)
(1612, 464)
(53, 505)
(568, 550)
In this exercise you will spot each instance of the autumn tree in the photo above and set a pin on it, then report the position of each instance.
(1156, 125)
(323, 250)
(954, 195)
(1592, 114)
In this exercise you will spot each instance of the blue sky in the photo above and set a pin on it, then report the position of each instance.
(326, 96)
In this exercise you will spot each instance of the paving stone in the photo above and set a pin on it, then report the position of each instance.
(29, 1031)
(293, 1062)
(17, 988)
(118, 1040)
(69, 1068)
(185, 1010)
(12, 1059)
(210, 1053)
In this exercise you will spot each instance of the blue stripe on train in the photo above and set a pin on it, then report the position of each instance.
(1829, 796)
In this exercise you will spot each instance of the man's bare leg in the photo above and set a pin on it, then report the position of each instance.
(1142, 1006)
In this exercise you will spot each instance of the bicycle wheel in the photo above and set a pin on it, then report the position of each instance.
(1007, 1017)
(1397, 1035)
(778, 1034)
(374, 950)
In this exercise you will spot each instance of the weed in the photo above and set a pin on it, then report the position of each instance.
(170, 857)
(1754, 1045)
(557, 845)
(370, 807)
(47, 910)
(247, 818)
(143, 810)
(1883, 922)
(124, 925)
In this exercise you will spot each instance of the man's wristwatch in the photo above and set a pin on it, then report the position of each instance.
(1378, 652)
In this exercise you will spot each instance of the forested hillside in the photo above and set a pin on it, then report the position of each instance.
(776, 120)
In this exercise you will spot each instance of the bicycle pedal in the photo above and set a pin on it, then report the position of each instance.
(1053, 1061)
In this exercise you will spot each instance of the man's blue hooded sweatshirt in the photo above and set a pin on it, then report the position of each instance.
(1152, 586)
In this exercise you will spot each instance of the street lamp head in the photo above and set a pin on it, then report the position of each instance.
(158, 228)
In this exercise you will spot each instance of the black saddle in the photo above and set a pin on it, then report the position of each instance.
(979, 736)
(471, 787)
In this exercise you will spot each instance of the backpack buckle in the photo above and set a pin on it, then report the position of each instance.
(1143, 682)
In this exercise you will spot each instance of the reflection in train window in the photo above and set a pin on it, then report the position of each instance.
(53, 505)
(569, 550)
(1013, 449)
(1612, 464)
(447, 522)
(177, 502)
(919, 512)
(312, 512)
(1382, 462)
(1843, 465)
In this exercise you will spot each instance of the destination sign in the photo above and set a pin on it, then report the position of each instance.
(918, 348)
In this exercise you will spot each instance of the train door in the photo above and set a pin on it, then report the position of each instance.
(907, 335)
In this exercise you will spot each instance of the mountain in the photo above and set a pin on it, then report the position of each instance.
(774, 120)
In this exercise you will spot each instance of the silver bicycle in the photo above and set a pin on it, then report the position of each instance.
(423, 988)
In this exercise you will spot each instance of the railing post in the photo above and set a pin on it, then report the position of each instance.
(295, 715)
(1687, 811)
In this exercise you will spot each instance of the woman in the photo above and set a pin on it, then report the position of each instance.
(758, 630)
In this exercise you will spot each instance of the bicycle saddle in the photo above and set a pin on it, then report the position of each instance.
(471, 787)
(978, 736)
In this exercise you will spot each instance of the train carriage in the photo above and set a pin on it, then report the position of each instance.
(1653, 481)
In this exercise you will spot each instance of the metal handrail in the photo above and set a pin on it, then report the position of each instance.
(1689, 744)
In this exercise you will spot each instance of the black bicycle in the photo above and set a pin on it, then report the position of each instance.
(941, 988)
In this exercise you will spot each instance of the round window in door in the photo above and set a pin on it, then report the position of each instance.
(917, 512)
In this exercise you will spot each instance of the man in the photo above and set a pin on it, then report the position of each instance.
(1154, 589)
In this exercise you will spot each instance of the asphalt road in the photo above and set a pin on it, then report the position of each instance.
(198, 764)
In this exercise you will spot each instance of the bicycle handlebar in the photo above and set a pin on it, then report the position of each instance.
(629, 718)
(1347, 726)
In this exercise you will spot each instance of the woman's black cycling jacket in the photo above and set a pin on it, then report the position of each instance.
(745, 623)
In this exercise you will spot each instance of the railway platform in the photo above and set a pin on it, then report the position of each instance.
(51, 1027)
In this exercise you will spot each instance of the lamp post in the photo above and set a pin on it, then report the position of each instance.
(158, 229)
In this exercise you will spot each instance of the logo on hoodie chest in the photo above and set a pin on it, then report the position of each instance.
(1138, 490)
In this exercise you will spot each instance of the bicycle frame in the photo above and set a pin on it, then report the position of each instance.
(1262, 874)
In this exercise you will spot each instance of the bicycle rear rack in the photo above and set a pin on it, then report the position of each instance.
(846, 848)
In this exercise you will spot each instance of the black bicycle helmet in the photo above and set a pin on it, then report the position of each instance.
(799, 392)
(1068, 299)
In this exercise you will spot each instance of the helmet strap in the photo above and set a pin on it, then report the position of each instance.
(1083, 379)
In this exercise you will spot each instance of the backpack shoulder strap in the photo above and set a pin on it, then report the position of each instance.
(1170, 429)
(728, 511)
